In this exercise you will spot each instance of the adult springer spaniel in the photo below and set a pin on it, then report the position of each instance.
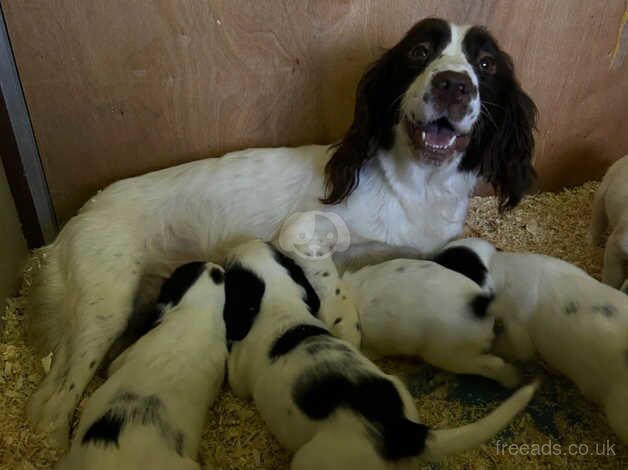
(436, 112)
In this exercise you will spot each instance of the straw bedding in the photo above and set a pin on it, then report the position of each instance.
(236, 438)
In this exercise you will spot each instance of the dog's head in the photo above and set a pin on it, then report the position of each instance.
(443, 92)
(255, 272)
(198, 284)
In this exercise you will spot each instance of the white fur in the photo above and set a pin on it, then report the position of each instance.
(453, 59)
(137, 230)
(343, 439)
(301, 240)
(418, 308)
(610, 208)
(576, 324)
(181, 363)
(338, 310)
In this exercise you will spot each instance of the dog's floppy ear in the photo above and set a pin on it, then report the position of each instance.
(243, 297)
(370, 129)
(503, 142)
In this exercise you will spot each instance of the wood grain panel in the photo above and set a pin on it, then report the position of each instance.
(118, 87)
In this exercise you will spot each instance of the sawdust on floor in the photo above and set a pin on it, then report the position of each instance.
(237, 439)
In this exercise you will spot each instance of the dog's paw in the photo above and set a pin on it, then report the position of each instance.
(350, 332)
(509, 377)
(49, 415)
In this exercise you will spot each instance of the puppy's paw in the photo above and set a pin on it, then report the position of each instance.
(509, 377)
(349, 331)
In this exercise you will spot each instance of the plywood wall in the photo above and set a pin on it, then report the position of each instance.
(117, 87)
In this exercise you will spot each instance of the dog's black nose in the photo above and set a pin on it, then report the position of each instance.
(451, 87)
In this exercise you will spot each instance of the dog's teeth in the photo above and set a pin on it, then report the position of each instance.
(423, 136)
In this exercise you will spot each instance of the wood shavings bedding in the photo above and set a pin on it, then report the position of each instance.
(236, 438)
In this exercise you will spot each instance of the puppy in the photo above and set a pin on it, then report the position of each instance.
(310, 264)
(337, 308)
(150, 411)
(320, 397)
(419, 308)
(469, 257)
(576, 324)
(610, 208)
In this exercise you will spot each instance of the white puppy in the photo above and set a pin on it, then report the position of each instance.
(302, 243)
(610, 207)
(318, 394)
(150, 411)
(337, 307)
(419, 308)
(576, 324)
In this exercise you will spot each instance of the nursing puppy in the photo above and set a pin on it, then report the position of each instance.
(610, 208)
(577, 325)
(310, 264)
(419, 308)
(150, 412)
(336, 307)
(320, 397)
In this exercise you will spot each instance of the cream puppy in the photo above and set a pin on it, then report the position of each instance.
(419, 308)
(320, 397)
(610, 208)
(555, 311)
(150, 411)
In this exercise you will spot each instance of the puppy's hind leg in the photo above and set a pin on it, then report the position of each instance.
(102, 301)
(486, 365)
(616, 258)
(599, 219)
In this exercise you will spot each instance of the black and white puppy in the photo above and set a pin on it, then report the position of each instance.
(554, 310)
(434, 113)
(421, 309)
(320, 397)
(610, 208)
(150, 411)
(327, 295)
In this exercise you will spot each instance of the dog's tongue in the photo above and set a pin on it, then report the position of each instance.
(438, 136)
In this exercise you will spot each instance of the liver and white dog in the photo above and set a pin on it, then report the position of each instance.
(150, 411)
(576, 324)
(610, 208)
(320, 397)
(421, 309)
(436, 112)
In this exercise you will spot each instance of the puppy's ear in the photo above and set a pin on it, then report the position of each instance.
(310, 297)
(370, 129)
(503, 142)
(175, 287)
(243, 297)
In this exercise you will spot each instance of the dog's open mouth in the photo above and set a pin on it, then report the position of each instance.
(437, 140)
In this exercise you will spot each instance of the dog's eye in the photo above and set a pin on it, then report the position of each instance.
(487, 63)
(420, 52)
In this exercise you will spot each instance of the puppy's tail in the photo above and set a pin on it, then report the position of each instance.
(441, 443)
